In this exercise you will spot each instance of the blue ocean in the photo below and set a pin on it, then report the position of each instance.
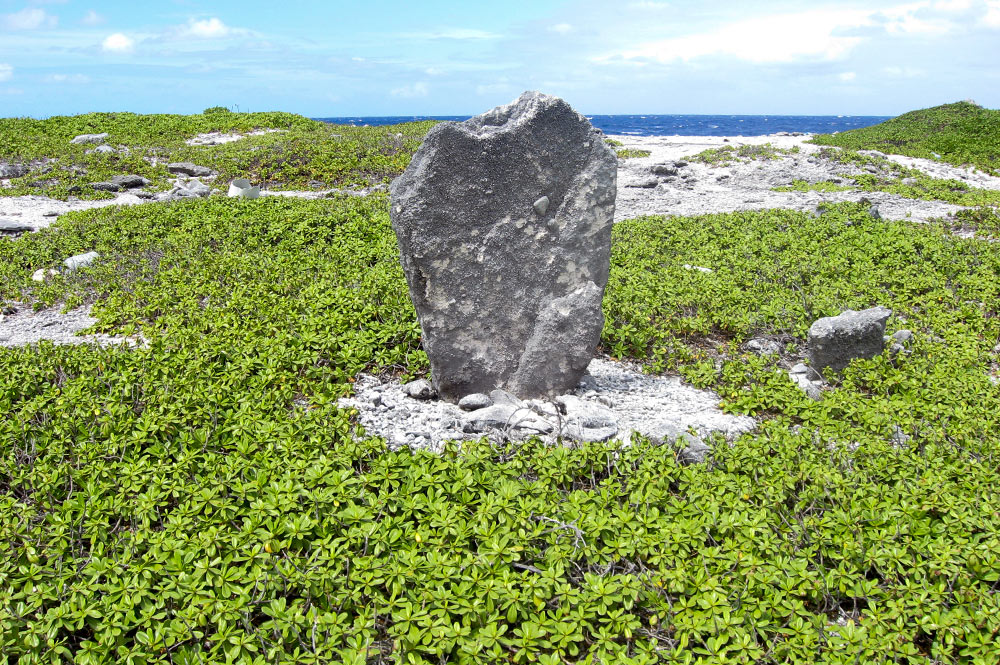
(681, 125)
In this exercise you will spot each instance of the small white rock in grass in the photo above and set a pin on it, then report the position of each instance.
(80, 261)
(241, 188)
(42, 274)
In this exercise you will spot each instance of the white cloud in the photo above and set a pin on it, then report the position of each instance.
(211, 28)
(992, 17)
(92, 18)
(847, 76)
(454, 33)
(418, 89)
(902, 72)
(816, 34)
(562, 28)
(67, 78)
(118, 43)
(29, 19)
(953, 5)
(903, 19)
(6, 72)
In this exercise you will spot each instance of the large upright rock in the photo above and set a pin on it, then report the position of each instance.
(504, 229)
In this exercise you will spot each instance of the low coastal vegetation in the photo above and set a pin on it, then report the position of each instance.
(629, 153)
(727, 154)
(961, 134)
(302, 154)
(201, 498)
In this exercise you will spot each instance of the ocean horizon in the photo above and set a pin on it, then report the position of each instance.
(675, 125)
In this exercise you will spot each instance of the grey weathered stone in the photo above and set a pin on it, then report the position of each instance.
(129, 181)
(644, 183)
(695, 451)
(835, 341)
(520, 421)
(189, 169)
(419, 389)
(474, 402)
(89, 138)
(541, 205)
(903, 336)
(80, 261)
(508, 297)
(14, 227)
(663, 170)
(763, 346)
(102, 150)
(120, 182)
(8, 170)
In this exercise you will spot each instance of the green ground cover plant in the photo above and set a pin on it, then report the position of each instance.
(630, 153)
(806, 186)
(305, 154)
(886, 176)
(727, 154)
(202, 499)
(962, 134)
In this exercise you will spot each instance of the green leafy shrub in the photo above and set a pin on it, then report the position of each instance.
(961, 134)
(305, 154)
(630, 153)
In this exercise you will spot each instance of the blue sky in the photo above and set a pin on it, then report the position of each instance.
(376, 57)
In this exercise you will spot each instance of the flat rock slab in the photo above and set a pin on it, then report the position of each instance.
(24, 327)
(504, 227)
(834, 341)
(614, 397)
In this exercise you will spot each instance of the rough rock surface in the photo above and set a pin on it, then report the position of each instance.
(189, 169)
(13, 170)
(21, 326)
(836, 340)
(84, 139)
(613, 400)
(508, 296)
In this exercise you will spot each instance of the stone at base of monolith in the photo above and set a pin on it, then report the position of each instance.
(504, 229)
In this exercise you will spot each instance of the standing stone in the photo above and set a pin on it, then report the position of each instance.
(504, 228)
(834, 341)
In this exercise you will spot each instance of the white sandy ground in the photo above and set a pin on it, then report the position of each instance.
(702, 188)
(218, 138)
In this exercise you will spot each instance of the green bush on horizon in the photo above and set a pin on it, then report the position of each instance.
(961, 134)
(203, 499)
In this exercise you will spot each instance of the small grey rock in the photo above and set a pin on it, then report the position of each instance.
(130, 181)
(541, 205)
(874, 212)
(695, 451)
(474, 402)
(89, 138)
(762, 346)
(13, 227)
(103, 150)
(80, 261)
(902, 336)
(505, 417)
(663, 170)
(189, 169)
(13, 170)
(680, 164)
(499, 396)
(419, 389)
(835, 341)
(106, 187)
(898, 436)
(645, 183)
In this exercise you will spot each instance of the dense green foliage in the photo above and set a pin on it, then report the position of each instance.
(821, 186)
(202, 499)
(883, 175)
(629, 153)
(304, 154)
(961, 133)
(727, 154)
